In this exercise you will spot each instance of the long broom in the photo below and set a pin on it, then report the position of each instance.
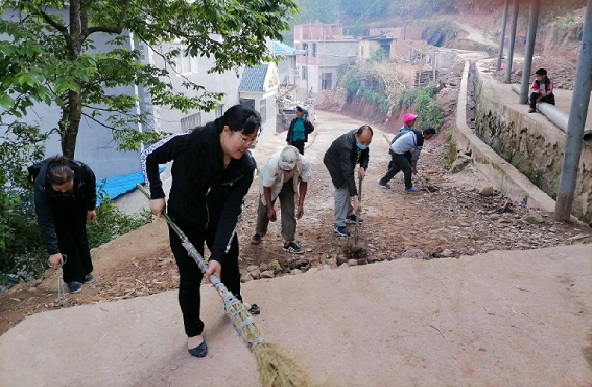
(275, 367)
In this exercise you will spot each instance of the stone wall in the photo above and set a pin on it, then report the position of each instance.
(533, 145)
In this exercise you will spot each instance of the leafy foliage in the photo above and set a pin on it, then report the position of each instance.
(50, 57)
(19, 234)
(406, 99)
(429, 110)
(111, 223)
(366, 88)
(425, 105)
(22, 253)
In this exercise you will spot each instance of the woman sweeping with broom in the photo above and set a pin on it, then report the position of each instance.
(211, 173)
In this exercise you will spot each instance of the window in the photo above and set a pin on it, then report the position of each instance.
(184, 64)
(305, 48)
(314, 50)
(327, 81)
(304, 73)
(263, 110)
(219, 111)
(193, 65)
(191, 122)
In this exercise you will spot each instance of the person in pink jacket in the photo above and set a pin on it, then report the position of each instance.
(542, 90)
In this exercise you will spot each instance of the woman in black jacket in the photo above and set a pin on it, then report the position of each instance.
(65, 198)
(211, 173)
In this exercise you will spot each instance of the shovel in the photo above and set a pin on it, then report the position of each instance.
(356, 250)
(356, 232)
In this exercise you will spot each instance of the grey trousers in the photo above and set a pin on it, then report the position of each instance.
(343, 207)
(286, 197)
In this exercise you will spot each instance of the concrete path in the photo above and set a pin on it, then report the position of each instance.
(501, 318)
(517, 318)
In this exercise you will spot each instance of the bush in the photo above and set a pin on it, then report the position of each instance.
(406, 99)
(20, 240)
(22, 253)
(429, 110)
(426, 107)
(111, 223)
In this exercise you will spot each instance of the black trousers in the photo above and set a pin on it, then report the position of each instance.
(398, 163)
(70, 228)
(550, 99)
(191, 276)
(300, 145)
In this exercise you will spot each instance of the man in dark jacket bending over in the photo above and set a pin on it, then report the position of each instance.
(341, 158)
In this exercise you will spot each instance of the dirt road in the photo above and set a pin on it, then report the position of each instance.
(498, 318)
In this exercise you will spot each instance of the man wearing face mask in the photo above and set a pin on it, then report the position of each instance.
(341, 159)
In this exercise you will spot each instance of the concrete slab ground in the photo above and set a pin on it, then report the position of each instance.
(519, 318)
(511, 318)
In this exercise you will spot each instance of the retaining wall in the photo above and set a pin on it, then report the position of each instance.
(529, 142)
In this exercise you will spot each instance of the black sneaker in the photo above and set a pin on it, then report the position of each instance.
(352, 219)
(200, 351)
(74, 287)
(256, 239)
(89, 279)
(293, 248)
(341, 231)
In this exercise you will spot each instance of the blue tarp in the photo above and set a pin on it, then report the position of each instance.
(281, 49)
(118, 185)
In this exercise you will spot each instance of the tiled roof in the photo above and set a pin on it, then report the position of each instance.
(253, 78)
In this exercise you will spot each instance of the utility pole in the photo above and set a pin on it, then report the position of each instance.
(575, 125)
(533, 22)
(510, 54)
(502, 35)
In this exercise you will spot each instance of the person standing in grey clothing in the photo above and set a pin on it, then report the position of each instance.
(341, 159)
(409, 141)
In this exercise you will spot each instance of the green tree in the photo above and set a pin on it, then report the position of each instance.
(20, 242)
(49, 55)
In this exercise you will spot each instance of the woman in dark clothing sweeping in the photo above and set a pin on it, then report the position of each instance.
(65, 198)
(211, 173)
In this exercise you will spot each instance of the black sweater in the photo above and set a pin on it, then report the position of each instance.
(207, 205)
(48, 201)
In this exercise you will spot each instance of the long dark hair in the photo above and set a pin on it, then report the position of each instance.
(543, 73)
(204, 161)
(59, 171)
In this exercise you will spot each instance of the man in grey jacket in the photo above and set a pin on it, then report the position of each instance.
(341, 159)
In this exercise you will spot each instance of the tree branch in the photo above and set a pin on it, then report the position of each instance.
(51, 22)
(98, 122)
(118, 29)
(167, 61)
(103, 109)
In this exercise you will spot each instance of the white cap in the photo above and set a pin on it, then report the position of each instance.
(288, 158)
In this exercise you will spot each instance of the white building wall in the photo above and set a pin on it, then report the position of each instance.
(195, 70)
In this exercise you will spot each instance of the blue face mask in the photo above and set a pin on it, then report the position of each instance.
(361, 146)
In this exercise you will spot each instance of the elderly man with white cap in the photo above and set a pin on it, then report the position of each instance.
(285, 176)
